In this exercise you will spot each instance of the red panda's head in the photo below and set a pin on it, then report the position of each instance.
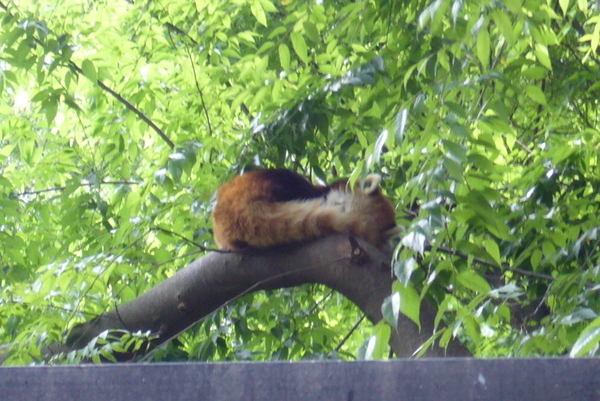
(378, 217)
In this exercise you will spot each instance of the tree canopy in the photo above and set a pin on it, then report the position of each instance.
(119, 119)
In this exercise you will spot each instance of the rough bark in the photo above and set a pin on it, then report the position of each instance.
(352, 267)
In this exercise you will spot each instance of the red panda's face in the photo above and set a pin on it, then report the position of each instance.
(377, 223)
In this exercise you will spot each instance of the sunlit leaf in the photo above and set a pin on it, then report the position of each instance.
(595, 37)
(473, 281)
(588, 340)
(378, 343)
(404, 269)
(578, 316)
(507, 291)
(299, 45)
(258, 12)
(400, 126)
(89, 70)
(541, 53)
(456, 7)
(391, 309)
(505, 25)
(284, 56)
(536, 94)
(410, 304)
(375, 157)
(414, 240)
(483, 47)
(492, 248)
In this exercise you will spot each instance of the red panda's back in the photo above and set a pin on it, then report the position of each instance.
(268, 207)
(237, 217)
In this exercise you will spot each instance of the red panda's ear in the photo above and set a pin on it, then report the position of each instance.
(371, 183)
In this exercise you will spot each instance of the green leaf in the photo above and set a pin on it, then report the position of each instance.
(299, 46)
(473, 281)
(457, 153)
(581, 314)
(548, 249)
(588, 341)
(536, 94)
(455, 170)
(311, 32)
(391, 309)
(89, 70)
(404, 269)
(5, 184)
(541, 53)
(258, 12)
(410, 304)
(400, 127)
(536, 258)
(377, 344)
(483, 47)
(375, 156)
(504, 24)
(284, 57)
(50, 106)
(492, 248)
(595, 37)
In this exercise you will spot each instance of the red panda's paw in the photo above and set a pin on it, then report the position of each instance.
(394, 231)
(338, 200)
(391, 233)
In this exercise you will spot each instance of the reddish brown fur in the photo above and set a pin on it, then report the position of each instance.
(268, 207)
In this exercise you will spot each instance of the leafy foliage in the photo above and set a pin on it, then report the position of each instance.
(115, 132)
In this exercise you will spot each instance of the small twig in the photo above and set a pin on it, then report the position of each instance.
(523, 146)
(204, 108)
(201, 247)
(178, 31)
(493, 265)
(87, 184)
(243, 106)
(120, 318)
(117, 96)
(129, 106)
(529, 273)
(319, 302)
(175, 258)
(48, 306)
(350, 332)
(91, 286)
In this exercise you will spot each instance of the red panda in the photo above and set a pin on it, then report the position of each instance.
(263, 208)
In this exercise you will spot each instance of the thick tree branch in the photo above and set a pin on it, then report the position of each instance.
(354, 268)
